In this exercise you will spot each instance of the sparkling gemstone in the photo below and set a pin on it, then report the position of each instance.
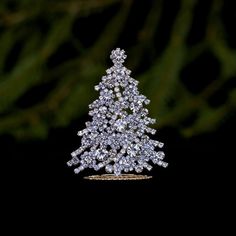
(103, 109)
(80, 133)
(100, 158)
(160, 144)
(73, 154)
(120, 125)
(96, 168)
(153, 121)
(160, 163)
(108, 71)
(109, 168)
(100, 165)
(96, 87)
(69, 163)
(164, 164)
(77, 170)
(137, 140)
(160, 155)
(114, 117)
(117, 172)
(153, 131)
(75, 160)
(136, 147)
(155, 160)
(131, 152)
(138, 169)
(123, 150)
(148, 167)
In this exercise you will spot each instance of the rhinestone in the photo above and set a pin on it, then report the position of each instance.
(80, 133)
(75, 160)
(69, 163)
(73, 154)
(109, 168)
(160, 155)
(138, 169)
(108, 71)
(160, 144)
(164, 164)
(153, 131)
(76, 170)
(100, 165)
(117, 172)
(96, 87)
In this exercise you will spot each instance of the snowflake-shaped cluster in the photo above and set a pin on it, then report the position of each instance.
(118, 56)
(116, 139)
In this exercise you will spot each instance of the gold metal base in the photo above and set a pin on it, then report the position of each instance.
(119, 177)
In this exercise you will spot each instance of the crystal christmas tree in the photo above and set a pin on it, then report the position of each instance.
(116, 139)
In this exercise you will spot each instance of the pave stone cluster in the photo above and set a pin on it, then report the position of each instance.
(116, 137)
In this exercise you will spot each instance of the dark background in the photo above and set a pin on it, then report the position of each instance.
(52, 55)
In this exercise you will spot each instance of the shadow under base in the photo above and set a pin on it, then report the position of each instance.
(119, 177)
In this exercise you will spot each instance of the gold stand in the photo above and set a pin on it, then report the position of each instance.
(119, 177)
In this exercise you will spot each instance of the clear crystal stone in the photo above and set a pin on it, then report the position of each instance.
(73, 154)
(160, 155)
(75, 160)
(160, 144)
(164, 164)
(131, 152)
(108, 71)
(109, 168)
(153, 131)
(148, 167)
(80, 133)
(122, 150)
(69, 163)
(100, 165)
(96, 88)
(117, 172)
(76, 170)
(138, 169)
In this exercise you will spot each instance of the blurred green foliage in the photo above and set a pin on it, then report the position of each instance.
(50, 61)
